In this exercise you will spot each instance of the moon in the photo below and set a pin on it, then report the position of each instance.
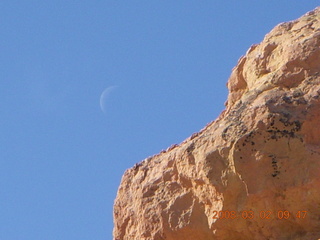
(103, 98)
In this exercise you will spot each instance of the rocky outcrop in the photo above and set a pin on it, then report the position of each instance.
(254, 173)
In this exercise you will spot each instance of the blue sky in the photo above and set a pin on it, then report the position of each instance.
(61, 157)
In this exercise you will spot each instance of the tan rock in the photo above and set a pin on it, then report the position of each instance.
(254, 173)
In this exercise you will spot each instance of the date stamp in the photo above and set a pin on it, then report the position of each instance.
(266, 215)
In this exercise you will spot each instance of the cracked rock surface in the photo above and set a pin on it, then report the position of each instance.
(253, 173)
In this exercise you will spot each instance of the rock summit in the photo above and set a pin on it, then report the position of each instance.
(253, 173)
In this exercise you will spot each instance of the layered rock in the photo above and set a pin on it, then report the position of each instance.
(254, 173)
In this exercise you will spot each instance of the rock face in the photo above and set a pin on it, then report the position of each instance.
(254, 173)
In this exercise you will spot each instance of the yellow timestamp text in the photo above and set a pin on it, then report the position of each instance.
(267, 214)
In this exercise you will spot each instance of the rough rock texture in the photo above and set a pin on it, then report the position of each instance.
(259, 161)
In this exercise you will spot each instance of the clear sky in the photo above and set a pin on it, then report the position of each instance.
(61, 156)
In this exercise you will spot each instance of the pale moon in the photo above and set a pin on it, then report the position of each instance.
(103, 98)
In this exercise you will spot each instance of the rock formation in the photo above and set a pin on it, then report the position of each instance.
(254, 173)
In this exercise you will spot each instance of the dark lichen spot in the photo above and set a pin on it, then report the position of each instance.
(297, 93)
(274, 164)
(287, 99)
(190, 148)
(301, 101)
(298, 125)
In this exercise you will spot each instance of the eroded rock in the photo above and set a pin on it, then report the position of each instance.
(258, 163)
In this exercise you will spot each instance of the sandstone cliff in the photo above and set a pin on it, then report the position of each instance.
(254, 173)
